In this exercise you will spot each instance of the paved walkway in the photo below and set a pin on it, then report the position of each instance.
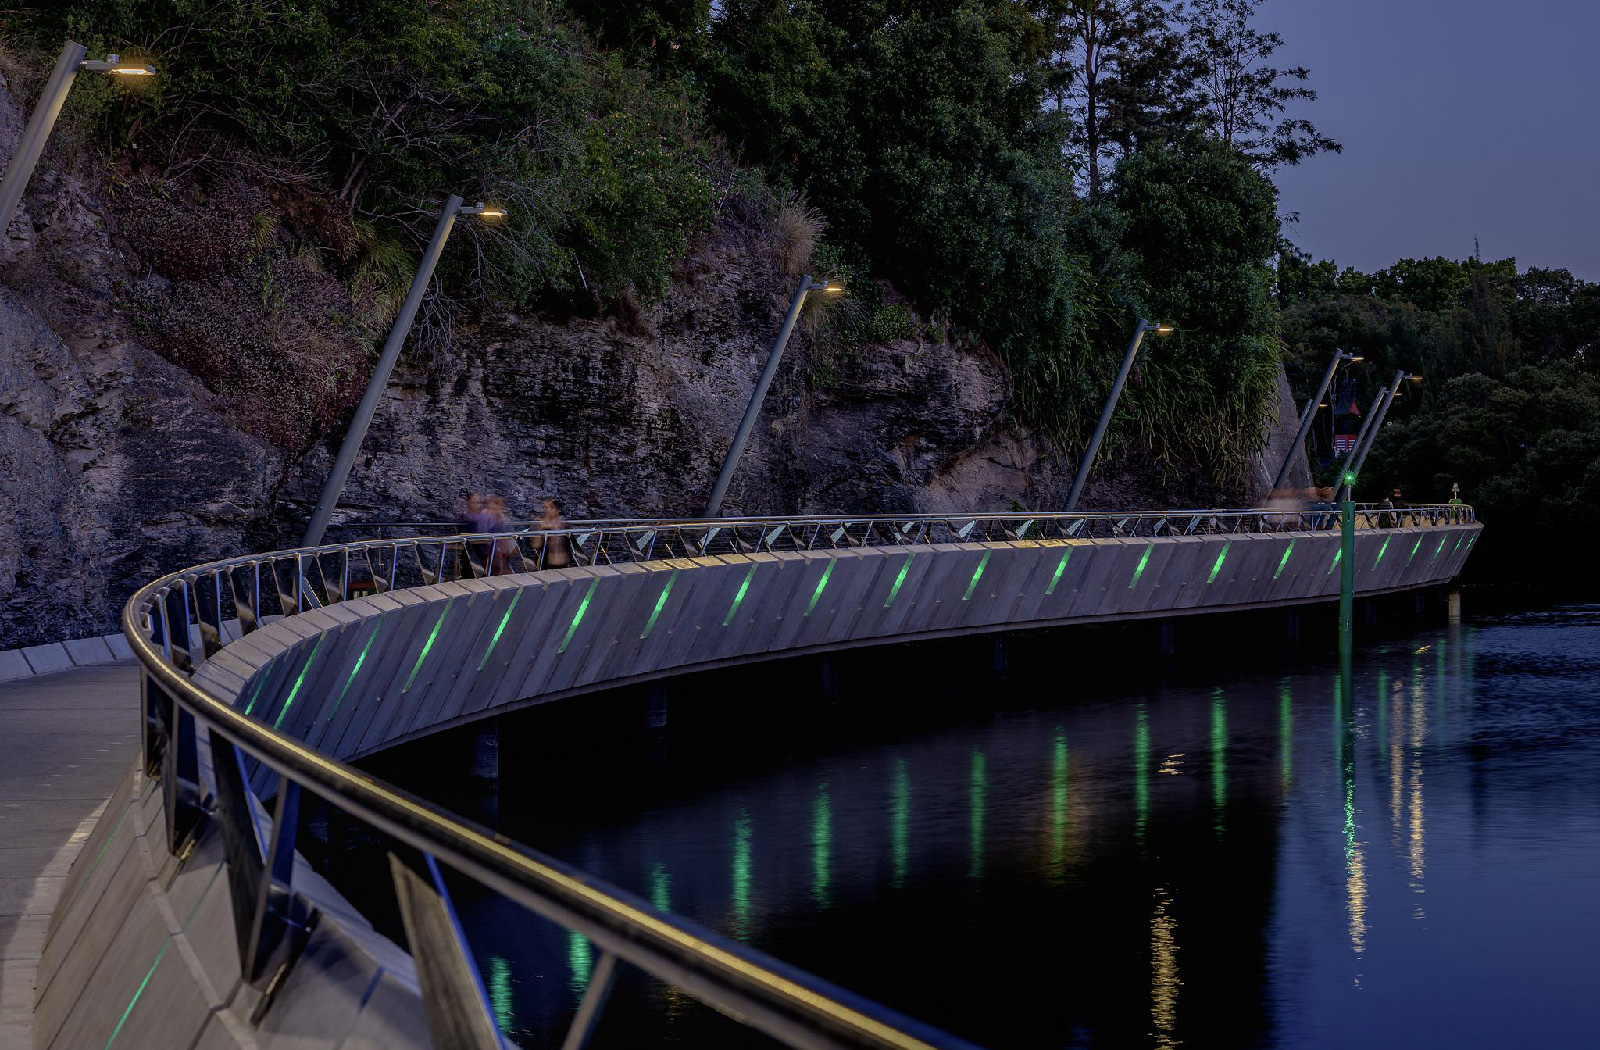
(66, 741)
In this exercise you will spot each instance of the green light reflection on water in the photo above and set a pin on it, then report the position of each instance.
(977, 794)
(1141, 771)
(1219, 756)
(900, 823)
(500, 991)
(741, 875)
(1285, 730)
(661, 887)
(580, 961)
(821, 837)
(1058, 801)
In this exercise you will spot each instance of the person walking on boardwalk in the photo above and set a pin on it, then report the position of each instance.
(557, 549)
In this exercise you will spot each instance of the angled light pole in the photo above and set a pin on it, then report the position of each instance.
(376, 385)
(753, 409)
(1372, 439)
(1308, 414)
(1111, 404)
(68, 64)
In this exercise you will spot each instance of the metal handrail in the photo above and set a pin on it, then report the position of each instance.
(174, 625)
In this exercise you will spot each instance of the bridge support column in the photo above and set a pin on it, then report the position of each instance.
(655, 716)
(1454, 615)
(830, 679)
(1291, 627)
(1169, 637)
(1000, 661)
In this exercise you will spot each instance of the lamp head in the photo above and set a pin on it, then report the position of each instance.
(114, 66)
(483, 211)
(1161, 328)
(1352, 358)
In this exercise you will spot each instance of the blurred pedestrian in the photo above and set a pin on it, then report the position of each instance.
(557, 549)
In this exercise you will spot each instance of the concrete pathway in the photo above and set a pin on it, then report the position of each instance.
(66, 741)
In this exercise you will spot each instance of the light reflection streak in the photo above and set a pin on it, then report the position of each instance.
(1419, 724)
(1355, 867)
(741, 876)
(500, 991)
(1219, 758)
(661, 887)
(900, 823)
(821, 841)
(977, 794)
(579, 963)
(1058, 802)
(1141, 772)
(1285, 731)
(1164, 980)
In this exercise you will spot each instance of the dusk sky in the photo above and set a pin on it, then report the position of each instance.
(1458, 118)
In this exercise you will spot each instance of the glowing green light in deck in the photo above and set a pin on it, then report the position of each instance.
(357, 668)
(661, 603)
(741, 876)
(500, 991)
(1457, 546)
(977, 794)
(580, 961)
(1141, 772)
(516, 594)
(821, 836)
(905, 567)
(1442, 541)
(821, 584)
(428, 645)
(577, 618)
(1381, 551)
(899, 823)
(1284, 560)
(261, 679)
(1221, 557)
(1334, 564)
(745, 586)
(138, 992)
(1061, 566)
(1414, 548)
(661, 887)
(298, 682)
(1058, 801)
(977, 575)
(1139, 569)
(1470, 541)
(1219, 755)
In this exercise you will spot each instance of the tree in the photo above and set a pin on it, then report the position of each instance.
(1242, 97)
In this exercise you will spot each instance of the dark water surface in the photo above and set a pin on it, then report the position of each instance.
(1214, 859)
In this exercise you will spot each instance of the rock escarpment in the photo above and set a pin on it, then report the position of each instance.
(171, 342)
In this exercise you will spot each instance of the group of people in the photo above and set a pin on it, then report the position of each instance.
(488, 514)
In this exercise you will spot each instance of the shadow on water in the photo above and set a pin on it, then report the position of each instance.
(1069, 840)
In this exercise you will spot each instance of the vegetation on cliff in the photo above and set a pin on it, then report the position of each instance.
(940, 142)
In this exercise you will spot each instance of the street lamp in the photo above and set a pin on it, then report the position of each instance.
(1309, 413)
(1368, 436)
(31, 145)
(1162, 329)
(753, 409)
(346, 458)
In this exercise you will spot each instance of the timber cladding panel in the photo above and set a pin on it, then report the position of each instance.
(397, 666)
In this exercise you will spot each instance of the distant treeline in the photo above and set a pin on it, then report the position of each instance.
(1509, 407)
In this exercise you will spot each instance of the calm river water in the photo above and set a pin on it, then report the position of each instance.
(1204, 858)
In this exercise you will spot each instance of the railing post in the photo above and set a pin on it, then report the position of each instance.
(459, 1014)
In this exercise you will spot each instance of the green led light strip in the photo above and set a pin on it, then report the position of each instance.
(583, 607)
(1061, 566)
(1218, 566)
(1414, 548)
(661, 603)
(428, 645)
(138, 992)
(744, 586)
(357, 668)
(261, 679)
(515, 595)
(1139, 570)
(298, 682)
(1285, 560)
(821, 584)
(905, 567)
(1442, 541)
(1334, 564)
(1381, 551)
(977, 575)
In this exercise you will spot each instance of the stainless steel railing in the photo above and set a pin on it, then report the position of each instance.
(177, 622)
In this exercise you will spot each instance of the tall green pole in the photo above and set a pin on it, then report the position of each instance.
(1347, 597)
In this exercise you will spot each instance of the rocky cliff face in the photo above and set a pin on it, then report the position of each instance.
(158, 373)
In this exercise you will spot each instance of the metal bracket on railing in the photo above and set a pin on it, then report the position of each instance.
(459, 1014)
